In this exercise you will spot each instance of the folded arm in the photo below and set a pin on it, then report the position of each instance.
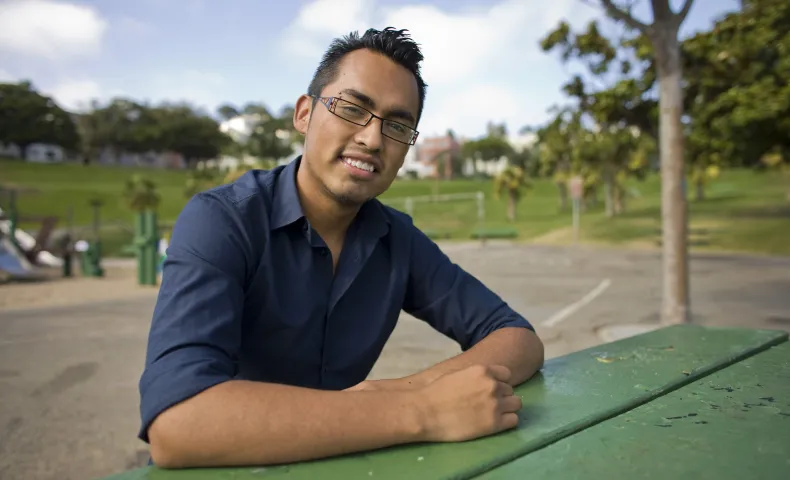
(195, 413)
(458, 305)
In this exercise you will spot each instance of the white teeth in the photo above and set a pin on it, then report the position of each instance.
(360, 165)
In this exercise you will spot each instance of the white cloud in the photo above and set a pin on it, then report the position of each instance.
(323, 19)
(50, 29)
(481, 64)
(6, 77)
(76, 95)
(204, 89)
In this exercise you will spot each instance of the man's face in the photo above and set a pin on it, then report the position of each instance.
(339, 154)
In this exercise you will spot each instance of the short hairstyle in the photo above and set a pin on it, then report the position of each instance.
(395, 44)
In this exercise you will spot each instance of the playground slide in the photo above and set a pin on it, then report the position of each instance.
(13, 263)
(27, 242)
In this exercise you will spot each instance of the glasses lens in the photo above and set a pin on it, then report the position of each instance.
(397, 131)
(351, 112)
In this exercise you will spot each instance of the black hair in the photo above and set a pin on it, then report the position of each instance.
(395, 44)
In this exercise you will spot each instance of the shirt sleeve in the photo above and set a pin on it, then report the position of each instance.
(452, 300)
(195, 333)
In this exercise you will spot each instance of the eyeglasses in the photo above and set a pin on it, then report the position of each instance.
(357, 115)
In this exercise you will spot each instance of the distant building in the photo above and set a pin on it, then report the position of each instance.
(432, 148)
(36, 152)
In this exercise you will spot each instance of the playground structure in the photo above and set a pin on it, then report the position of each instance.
(24, 256)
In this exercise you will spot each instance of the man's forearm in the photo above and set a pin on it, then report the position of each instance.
(518, 349)
(250, 423)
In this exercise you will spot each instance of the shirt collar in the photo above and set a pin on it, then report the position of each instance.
(287, 209)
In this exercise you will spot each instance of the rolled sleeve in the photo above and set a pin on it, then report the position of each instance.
(195, 333)
(452, 300)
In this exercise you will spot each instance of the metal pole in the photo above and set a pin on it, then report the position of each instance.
(481, 216)
(575, 220)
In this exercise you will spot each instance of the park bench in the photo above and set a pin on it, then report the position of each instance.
(679, 402)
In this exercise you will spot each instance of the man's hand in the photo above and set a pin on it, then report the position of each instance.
(469, 403)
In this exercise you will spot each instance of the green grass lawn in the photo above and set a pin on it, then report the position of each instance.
(744, 211)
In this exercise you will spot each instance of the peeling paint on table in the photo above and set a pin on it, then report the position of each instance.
(571, 394)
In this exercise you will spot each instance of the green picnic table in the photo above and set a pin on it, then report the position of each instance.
(680, 402)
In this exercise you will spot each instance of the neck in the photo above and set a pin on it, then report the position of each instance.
(325, 214)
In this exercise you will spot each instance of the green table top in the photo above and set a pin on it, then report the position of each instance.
(570, 394)
(733, 424)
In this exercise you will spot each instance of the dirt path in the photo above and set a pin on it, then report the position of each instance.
(119, 282)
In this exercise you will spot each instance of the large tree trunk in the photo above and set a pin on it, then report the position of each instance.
(511, 207)
(676, 308)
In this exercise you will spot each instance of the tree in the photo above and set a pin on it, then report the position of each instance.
(738, 90)
(615, 114)
(140, 194)
(512, 182)
(116, 127)
(226, 112)
(183, 130)
(28, 117)
(663, 36)
(490, 148)
(558, 150)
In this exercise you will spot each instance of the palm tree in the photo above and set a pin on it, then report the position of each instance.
(141, 194)
(513, 182)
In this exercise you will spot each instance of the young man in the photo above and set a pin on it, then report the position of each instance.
(280, 290)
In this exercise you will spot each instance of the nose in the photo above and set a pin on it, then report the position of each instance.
(370, 135)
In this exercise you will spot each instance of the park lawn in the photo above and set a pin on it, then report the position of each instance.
(743, 211)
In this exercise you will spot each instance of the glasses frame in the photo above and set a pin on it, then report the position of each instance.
(331, 104)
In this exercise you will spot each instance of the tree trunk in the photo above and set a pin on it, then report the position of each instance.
(676, 308)
(700, 191)
(608, 191)
(511, 207)
(619, 199)
(563, 191)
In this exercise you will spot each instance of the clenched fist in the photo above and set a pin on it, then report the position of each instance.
(470, 403)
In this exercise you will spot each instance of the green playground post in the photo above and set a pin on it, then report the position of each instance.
(91, 258)
(13, 216)
(146, 242)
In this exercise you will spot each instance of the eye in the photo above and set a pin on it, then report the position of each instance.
(396, 127)
(352, 110)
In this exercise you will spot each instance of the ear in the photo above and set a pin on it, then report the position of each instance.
(302, 111)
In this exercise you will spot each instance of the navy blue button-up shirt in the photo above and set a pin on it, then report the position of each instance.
(248, 292)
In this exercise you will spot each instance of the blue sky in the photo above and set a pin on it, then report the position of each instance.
(482, 60)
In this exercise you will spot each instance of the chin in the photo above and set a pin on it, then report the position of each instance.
(351, 199)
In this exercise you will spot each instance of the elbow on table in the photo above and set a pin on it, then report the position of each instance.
(173, 442)
(164, 443)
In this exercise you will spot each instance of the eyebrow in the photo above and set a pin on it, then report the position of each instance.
(368, 102)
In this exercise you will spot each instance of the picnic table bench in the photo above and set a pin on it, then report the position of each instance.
(680, 402)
